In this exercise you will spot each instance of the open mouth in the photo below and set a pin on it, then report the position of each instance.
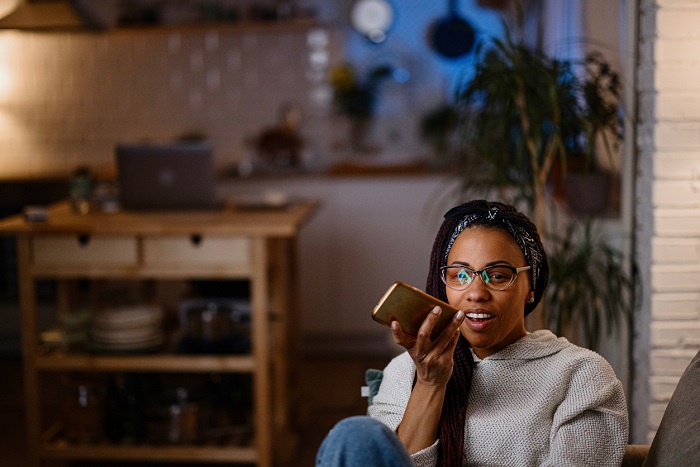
(479, 317)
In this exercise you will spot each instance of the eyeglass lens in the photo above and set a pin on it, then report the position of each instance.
(460, 277)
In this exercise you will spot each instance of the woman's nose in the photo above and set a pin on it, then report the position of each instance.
(477, 290)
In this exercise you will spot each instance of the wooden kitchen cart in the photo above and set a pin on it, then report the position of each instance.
(255, 245)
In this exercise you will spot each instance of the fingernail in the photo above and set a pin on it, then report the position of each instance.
(459, 316)
(436, 310)
(394, 325)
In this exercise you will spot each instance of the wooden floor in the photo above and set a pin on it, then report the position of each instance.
(327, 389)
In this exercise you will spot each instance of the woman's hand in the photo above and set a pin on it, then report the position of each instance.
(433, 359)
(434, 362)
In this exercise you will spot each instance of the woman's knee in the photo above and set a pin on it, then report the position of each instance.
(361, 440)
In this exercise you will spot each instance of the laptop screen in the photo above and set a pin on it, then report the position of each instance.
(166, 176)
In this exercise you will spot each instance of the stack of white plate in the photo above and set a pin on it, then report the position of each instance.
(132, 328)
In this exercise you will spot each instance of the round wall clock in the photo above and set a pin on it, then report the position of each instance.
(372, 18)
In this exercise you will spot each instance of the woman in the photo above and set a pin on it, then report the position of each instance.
(487, 392)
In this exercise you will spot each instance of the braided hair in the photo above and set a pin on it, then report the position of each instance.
(494, 215)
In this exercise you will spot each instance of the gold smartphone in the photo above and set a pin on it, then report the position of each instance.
(410, 306)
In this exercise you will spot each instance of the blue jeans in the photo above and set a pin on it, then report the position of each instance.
(362, 441)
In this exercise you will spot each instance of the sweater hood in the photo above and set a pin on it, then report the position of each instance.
(534, 345)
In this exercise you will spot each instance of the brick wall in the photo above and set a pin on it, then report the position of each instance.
(668, 202)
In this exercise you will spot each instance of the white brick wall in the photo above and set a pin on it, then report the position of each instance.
(669, 115)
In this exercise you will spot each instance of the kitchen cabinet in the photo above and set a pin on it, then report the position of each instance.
(253, 245)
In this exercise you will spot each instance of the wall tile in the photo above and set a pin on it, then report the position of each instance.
(677, 165)
(678, 193)
(662, 387)
(677, 77)
(676, 222)
(672, 251)
(676, 50)
(680, 23)
(675, 278)
(676, 307)
(673, 335)
(673, 135)
(684, 4)
(674, 105)
(671, 362)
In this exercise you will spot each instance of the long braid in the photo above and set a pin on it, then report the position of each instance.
(454, 409)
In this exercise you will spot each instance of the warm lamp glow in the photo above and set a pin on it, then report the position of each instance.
(5, 83)
(8, 6)
(8, 72)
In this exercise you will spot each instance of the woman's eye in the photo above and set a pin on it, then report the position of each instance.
(463, 277)
(499, 275)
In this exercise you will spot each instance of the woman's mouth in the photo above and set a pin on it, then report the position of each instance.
(479, 321)
(479, 317)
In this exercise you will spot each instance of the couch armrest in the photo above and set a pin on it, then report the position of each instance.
(635, 455)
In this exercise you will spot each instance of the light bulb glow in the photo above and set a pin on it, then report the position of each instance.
(8, 6)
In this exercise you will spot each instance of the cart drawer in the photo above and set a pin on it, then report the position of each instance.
(85, 250)
(220, 252)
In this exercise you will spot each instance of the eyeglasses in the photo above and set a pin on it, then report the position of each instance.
(498, 277)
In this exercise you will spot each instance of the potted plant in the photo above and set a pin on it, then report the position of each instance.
(526, 118)
(590, 288)
(587, 184)
(355, 97)
(529, 118)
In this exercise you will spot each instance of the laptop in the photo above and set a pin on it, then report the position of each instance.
(166, 176)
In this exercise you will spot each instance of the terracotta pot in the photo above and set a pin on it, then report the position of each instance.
(588, 193)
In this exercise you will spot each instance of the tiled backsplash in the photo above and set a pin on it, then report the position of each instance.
(66, 99)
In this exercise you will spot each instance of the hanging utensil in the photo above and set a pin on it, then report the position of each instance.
(451, 36)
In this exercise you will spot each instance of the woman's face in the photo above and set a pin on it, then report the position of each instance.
(494, 318)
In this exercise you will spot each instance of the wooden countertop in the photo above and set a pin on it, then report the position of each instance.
(230, 220)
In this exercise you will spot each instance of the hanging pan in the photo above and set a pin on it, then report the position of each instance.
(451, 36)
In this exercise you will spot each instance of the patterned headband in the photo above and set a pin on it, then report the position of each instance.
(525, 240)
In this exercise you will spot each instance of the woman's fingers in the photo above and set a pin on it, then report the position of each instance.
(447, 337)
(421, 346)
(426, 329)
(443, 340)
(400, 337)
(433, 359)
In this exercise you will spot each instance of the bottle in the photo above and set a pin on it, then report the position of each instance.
(80, 190)
(82, 411)
(183, 425)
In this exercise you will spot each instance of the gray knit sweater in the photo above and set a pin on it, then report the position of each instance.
(541, 401)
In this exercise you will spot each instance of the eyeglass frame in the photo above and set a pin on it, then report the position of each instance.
(480, 273)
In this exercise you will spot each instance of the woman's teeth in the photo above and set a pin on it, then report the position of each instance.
(479, 316)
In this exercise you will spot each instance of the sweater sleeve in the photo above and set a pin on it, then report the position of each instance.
(590, 426)
(389, 405)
